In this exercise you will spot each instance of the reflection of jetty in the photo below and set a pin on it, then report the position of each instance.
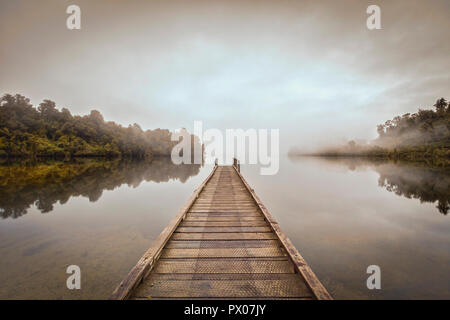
(222, 244)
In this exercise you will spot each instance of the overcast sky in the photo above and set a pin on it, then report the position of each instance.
(310, 68)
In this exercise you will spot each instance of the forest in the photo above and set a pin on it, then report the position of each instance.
(424, 135)
(45, 131)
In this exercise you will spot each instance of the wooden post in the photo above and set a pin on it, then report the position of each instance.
(237, 164)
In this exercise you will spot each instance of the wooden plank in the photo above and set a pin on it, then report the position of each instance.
(235, 223)
(223, 276)
(225, 236)
(236, 211)
(226, 206)
(158, 286)
(190, 218)
(300, 264)
(226, 199)
(224, 210)
(145, 264)
(230, 192)
(202, 200)
(222, 229)
(223, 214)
(270, 265)
(223, 252)
(225, 196)
(223, 244)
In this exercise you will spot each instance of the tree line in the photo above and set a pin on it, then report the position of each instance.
(46, 131)
(424, 136)
(421, 135)
(421, 128)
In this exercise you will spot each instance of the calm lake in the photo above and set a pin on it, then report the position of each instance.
(342, 215)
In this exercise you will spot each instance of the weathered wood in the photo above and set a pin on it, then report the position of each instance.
(275, 251)
(222, 229)
(223, 214)
(235, 223)
(223, 244)
(267, 265)
(190, 218)
(229, 286)
(224, 236)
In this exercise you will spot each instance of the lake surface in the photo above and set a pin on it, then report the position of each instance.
(342, 215)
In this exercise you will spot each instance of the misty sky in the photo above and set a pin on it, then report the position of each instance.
(310, 68)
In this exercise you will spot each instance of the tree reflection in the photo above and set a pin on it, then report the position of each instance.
(413, 180)
(425, 184)
(45, 183)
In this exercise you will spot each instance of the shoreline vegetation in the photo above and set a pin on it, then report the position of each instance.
(46, 132)
(422, 137)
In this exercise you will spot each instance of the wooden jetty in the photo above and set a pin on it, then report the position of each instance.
(223, 244)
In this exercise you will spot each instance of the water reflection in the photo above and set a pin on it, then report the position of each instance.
(408, 179)
(426, 184)
(45, 183)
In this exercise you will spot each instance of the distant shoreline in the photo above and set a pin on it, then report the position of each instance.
(440, 158)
